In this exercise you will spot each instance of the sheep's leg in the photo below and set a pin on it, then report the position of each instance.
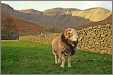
(55, 56)
(62, 61)
(56, 62)
(59, 60)
(69, 61)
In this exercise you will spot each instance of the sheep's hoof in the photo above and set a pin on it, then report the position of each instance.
(69, 66)
(62, 66)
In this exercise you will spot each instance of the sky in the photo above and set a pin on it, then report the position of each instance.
(44, 5)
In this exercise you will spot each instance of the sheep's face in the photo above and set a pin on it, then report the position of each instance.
(70, 34)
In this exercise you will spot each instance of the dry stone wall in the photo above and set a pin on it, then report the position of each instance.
(96, 39)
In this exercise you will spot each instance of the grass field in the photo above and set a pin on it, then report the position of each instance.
(24, 57)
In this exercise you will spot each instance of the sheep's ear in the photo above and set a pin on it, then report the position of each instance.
(62, 35)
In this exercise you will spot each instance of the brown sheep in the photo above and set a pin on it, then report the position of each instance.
(64, 45)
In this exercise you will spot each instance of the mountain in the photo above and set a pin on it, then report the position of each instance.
(25, 26)
(6, 10)
(6, 23)
(93, 14)
(56, 19)
(55, 23)
(106, 21)
(59, 11)
(11, 23)
(31, 11)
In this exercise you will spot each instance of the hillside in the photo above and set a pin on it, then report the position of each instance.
(108, 20)
(56, 19)
(57, 23)
(93, 14)
(25, 26)
(31, 11)
(59, 11)
(7, 25)
(52, 23)
(13, 26)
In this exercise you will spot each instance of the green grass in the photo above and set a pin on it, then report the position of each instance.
(23, 57)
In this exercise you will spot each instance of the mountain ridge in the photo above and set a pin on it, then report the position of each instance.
(55, 22)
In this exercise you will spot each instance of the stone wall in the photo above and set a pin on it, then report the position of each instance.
(96, 39)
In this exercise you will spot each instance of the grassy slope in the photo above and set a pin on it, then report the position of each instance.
(27, 57)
